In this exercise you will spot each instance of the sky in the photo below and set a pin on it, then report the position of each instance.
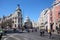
(31, 8)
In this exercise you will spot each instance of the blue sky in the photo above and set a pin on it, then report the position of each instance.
(31, 8)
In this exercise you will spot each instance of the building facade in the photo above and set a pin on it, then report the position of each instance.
(28, 23)
(41, 20)
(51, 16)
(46, 17)
(15, 18)
(55, 12)
(34, 24)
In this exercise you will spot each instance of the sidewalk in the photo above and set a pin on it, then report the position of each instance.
(55, 33)
(55, 36)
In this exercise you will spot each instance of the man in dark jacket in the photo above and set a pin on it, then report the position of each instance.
(1, 36)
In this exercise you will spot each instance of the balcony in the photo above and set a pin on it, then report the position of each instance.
(45, 22)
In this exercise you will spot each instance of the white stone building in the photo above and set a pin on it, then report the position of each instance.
(41, 19)
(15, 17)
(28, 22)
(44, 19)
(34, 24)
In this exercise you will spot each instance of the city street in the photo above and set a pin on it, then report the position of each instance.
(30, 20)
(28, 36)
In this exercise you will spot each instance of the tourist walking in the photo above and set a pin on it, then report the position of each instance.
(1, 36)
(50, 34)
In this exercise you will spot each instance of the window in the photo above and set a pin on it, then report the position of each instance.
(56, 23)
(46, 12)
(15, 17)
(15, 21)
(46, 22)
(50, 18)
(59, 25)
(41, 23)
(15, 25)
(18, 13)
(59, 14)
(51, 14)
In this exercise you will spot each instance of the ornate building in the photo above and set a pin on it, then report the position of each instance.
(15, 19)
(34, 24)
(27, 22)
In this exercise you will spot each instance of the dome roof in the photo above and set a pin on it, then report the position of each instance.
(18, 7)
(27, 19)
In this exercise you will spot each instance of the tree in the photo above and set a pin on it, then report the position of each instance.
(6, 23)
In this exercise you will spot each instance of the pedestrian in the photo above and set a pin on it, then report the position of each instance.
(1, 36)
(14, 30)
(46, 29)
(32, 30)
(41, 33)
(35, 29)
(50, 34)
